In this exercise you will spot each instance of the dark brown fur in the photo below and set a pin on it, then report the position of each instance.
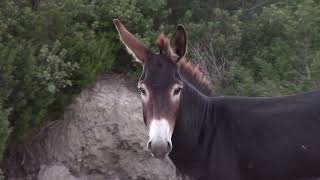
(225, 137)
(190, 72)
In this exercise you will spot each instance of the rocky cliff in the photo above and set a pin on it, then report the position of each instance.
(101, 136)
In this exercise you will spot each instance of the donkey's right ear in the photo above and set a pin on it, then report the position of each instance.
(178, 43)
(133, 45)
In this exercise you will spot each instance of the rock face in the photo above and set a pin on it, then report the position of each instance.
(100, 137)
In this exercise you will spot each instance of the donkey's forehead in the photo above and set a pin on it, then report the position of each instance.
(159, 70)
(160, 62)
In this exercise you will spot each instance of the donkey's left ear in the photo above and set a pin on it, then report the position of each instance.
(133, 45)
(178, 43)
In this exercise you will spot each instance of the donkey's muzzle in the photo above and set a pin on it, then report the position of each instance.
(159, 138)
(160, 149)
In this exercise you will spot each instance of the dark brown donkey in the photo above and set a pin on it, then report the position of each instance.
(216, 137)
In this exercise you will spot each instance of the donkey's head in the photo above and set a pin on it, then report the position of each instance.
(160, 84)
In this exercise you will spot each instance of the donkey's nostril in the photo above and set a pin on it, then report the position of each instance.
(169, 146)
(149, 145)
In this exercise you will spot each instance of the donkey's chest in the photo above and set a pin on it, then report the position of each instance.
(190, 164)
(190, 170)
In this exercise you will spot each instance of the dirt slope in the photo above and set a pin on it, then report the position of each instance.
(100, 137)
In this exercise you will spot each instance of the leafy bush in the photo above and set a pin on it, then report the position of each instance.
(50, 51)
(54, 72)
(285, 54)
(4, 128)
(274, 51)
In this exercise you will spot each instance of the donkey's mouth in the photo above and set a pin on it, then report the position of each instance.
(159, 150)
(159, 156)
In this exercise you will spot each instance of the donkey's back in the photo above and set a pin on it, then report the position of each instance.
(275, 137)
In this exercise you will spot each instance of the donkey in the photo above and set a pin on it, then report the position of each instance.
(211, 137)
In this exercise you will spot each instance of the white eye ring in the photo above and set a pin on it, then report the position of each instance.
(176, 90)
(142, 91)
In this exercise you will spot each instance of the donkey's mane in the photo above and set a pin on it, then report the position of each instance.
(190, 73)
(195, 77)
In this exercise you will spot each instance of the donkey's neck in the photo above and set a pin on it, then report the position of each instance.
(194, 131)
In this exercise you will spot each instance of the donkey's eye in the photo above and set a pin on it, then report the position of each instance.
(177, 91)
(142, 91)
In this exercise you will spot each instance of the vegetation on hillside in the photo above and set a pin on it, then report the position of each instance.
(51, 50)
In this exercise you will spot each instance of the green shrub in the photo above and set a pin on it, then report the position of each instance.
(273, 51)
(52, 51)
(4, 128)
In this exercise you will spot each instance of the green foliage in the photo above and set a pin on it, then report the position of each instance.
(4, 128)
(54, 72)
(223, 30)
(273, 51)
(284, 48)
(50, 52)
